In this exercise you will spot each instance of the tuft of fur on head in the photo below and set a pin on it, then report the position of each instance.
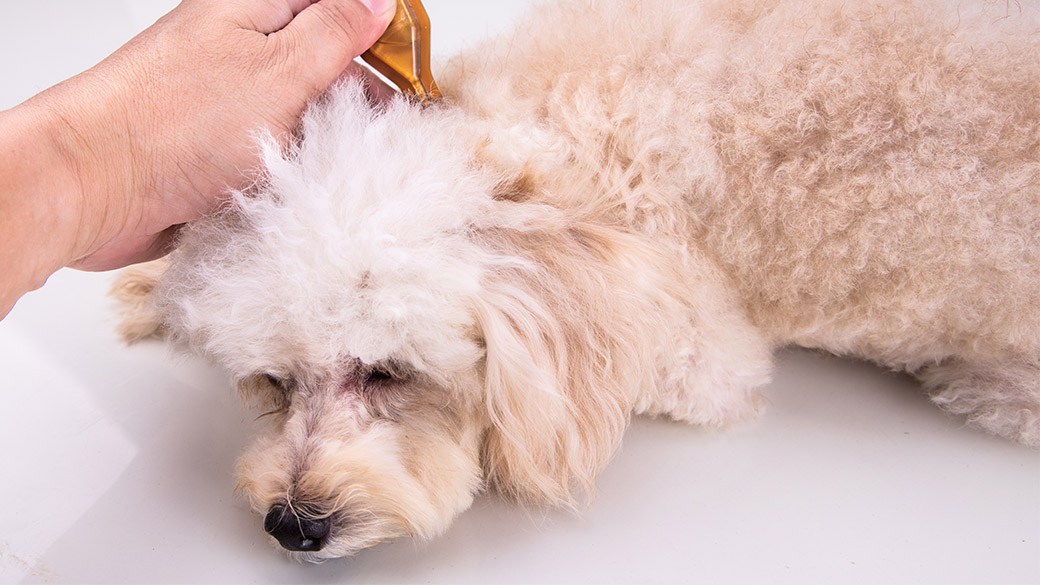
(340, 233)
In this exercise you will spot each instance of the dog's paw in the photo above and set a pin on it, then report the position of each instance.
(133, 289)
(720, 411)
(1003, 399)
(714, 394)
(712, 375)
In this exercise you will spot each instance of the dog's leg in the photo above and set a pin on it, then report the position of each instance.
(1001, 398)
(712, 373)
(133, 289)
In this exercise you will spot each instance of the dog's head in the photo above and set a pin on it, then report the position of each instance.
(413, 330)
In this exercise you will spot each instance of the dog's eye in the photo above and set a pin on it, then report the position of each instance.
(268, 391)
(382, 388)
(278, 382)
(383, 373)
(377, 375)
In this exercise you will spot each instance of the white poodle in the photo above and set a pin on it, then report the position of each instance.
(623, 207)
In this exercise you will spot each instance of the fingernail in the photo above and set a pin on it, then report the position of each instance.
(382, 8)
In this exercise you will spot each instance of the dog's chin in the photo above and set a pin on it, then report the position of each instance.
(338, 546)
(315, 558)
(333, 550)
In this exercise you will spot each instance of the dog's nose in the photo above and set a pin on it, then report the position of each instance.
(294, 532)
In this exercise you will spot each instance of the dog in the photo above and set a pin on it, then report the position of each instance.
(621, 208)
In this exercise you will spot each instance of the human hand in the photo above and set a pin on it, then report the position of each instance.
(156, 134)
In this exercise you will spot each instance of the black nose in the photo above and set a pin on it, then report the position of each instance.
(296, 533)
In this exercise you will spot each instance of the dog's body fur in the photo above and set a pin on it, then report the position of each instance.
(623, 208)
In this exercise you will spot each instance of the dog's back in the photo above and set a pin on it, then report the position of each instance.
(867, 174)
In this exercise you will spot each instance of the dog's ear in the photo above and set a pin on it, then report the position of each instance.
(133, 289)
(566, 358)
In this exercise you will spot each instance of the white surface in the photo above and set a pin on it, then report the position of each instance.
(117, 463)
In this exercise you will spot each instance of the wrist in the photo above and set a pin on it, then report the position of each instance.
(82, 127)
(64, 175)
(39, 204)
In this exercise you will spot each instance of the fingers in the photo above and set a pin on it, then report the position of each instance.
(264, 16)
(327, 35)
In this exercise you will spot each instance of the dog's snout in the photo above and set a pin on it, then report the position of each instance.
(294, 532)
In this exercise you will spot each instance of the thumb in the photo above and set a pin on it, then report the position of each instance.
(327, 35)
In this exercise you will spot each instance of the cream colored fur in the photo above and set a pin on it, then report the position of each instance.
(623, 207)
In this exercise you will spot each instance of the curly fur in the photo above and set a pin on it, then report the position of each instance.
(622, 216)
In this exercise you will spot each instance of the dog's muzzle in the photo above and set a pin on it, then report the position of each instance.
(296, 533)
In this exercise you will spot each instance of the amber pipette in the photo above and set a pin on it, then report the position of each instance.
(402, 54)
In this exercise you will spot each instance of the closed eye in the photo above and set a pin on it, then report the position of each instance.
(383, 389)
(269, 391)
(384, 373)
(378, 375)
(280, 383)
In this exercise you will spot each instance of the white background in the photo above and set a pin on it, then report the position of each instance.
(117, 463)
